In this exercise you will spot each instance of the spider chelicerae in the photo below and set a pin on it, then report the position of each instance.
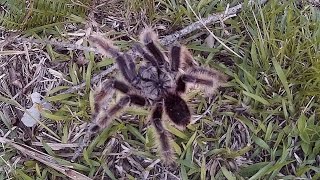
(159, 82)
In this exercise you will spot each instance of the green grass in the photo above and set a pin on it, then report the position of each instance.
(264, 124)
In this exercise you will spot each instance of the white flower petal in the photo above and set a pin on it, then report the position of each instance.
(28, 120)
(36, 97)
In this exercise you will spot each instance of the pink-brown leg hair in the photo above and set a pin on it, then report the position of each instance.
(163, 135)
(102, 118)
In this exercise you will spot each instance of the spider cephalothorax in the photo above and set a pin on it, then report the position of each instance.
(158, 83)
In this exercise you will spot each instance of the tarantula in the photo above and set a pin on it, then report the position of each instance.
(158, 83)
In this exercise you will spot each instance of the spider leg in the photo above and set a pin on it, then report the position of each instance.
(102, 119)
(103, 95)
(120, 86)
(148, 37)
(175, 58)
(177, 109)
(145, 55)
(124, 61)
(181, 58)
(131, 65)
(185, 78)
(163, 136)
(208, 73)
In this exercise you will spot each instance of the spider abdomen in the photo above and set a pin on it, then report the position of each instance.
(177, 109)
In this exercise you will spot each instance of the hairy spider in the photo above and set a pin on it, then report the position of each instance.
(158, 83)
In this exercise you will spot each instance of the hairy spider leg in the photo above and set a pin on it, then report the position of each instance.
(181, 58)
(127, 69)
(105, 91)
(163, 136)
(193, 68)
(185, 78)
(131, 64)
(210, 73)
(177, 109)
(148, 38)
(175, 58)
(145, 55)
(103, 94)
(102, 119)
(123, 66)
(216, 78)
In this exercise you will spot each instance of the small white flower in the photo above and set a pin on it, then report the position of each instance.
(32, 115)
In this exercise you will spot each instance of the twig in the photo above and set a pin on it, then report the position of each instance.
(199, 24)
(57, 43)
(46, 159)
(214, 36)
